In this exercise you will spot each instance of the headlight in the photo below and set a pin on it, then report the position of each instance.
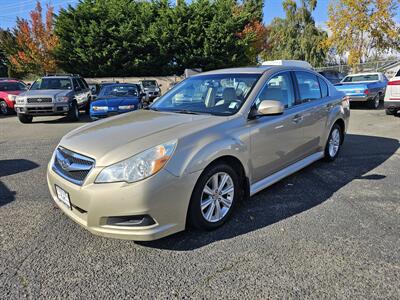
(62, 99)
(126, 107)
(140, 166)
(100, 108)
(157, 89)
(20, 99)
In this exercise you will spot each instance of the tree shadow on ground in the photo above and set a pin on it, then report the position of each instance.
(11, 167)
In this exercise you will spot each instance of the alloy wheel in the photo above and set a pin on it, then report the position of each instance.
(3, 107)
(334, 142)
(217, 197)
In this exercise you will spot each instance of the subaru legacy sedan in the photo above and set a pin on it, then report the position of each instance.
(211, 141)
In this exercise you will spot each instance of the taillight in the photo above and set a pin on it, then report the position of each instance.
(395, 82)
(366, 92)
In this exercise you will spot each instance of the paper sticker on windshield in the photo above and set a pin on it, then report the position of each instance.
(232, 105)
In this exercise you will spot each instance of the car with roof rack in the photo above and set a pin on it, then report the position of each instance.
(54, 95)
(187, 160)
(9, 90)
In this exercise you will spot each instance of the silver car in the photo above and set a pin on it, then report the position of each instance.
(214, 139)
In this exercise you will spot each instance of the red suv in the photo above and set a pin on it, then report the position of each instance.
(9, 89)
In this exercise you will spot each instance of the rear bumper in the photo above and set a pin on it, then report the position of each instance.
(49, 109)
(361, 98)
(392, 104)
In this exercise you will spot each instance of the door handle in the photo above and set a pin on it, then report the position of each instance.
(297, 118)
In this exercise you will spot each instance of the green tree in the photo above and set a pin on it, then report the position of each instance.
(296, 36)
(125, 38)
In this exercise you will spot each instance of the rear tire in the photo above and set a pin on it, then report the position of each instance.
(389, 112)
(5, 110)
(214, 197)
(333, 143)
(25, 118)
(374, 102)
(73, 113)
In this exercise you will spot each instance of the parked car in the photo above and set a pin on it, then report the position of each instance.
(54, 95)
(195, 153)
(392, 95)
(115, 99)
(151, 88)
(9, 90)
(333, 76)
(364, 87)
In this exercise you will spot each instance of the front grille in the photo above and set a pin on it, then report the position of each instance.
(39, 100)
(72, 166)
(40, 109)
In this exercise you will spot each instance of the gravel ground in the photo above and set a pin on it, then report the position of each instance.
(329, 231)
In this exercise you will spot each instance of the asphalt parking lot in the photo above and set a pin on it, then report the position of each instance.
(329, 231)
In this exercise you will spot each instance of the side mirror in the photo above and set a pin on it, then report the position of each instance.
(78, 89)
(268, 108)
(93, 89)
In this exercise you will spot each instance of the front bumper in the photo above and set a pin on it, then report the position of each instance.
(164, 197)
(104, 114)
(48, 109)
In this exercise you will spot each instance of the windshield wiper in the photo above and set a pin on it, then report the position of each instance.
(185, 111)
(150, 108)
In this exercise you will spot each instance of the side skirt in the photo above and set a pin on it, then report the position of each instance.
(270, 180)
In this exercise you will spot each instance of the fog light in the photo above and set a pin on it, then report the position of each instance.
(141, 220)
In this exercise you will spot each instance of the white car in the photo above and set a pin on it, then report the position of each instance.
(392, 96)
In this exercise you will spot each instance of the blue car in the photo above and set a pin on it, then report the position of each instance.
(368, 88)
(115, 99)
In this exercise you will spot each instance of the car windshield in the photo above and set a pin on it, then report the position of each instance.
(52, 84)
(11, 86)
(360, 78)
(149, 83)
(221, 94)
(122, 90)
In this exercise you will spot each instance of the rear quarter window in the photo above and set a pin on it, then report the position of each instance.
(324, 88)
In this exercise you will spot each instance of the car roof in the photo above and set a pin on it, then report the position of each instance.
(362, 74)
(253, 70)
(8, 80)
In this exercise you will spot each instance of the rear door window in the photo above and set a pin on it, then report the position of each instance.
(308, 86)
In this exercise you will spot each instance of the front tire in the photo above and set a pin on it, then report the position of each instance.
(334, 143)
(25, 118)
(5, 110)
(214, 197)
(73, 113)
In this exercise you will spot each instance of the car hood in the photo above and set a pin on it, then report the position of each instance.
(46, 93)
(114, 139)
(114, 102)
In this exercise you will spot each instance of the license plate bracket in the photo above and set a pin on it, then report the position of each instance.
(63, 196)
